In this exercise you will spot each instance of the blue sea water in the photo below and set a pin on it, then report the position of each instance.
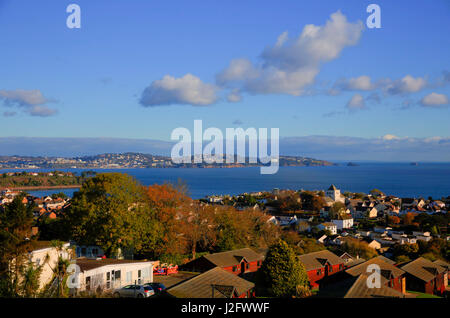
(400, 179)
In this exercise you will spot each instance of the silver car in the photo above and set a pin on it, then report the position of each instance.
(134, 291)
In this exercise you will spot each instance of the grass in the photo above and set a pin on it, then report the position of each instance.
(422, 295)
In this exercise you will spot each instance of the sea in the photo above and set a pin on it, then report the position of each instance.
(399, 179)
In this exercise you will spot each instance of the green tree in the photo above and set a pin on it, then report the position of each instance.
(29, 285)
(109, 211)
(16, 220)
(336, 210)
(311, 202)
(282, 274)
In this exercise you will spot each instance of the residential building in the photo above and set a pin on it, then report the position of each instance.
(238, 262)
(45, 254)
(321, 264)
(394, 276)
(214, 283)
(328, 226)
(343, 222)
(424, 276)
(108, 274)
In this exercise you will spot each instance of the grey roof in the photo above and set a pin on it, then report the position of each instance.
(423, 269)
(201, 286)
(356, 287)
(86, 264)
(318, 259)
(386, 268)
(332, 187)
(387, 260)
(233, 258)
(442, 263)
(355, 262)
(359, 289)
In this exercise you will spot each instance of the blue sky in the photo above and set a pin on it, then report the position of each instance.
(115, 76)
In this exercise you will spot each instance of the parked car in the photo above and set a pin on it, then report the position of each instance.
(134, 291)
(157, 287)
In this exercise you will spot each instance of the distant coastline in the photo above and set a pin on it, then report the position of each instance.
(33, 188)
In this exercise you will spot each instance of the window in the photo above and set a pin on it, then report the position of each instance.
(234, 268)
(319, 272)
(108, 276)
(128, 277)
(88, 283)
(139, 273)
(247, 266)
(117, 275)
(340, 267)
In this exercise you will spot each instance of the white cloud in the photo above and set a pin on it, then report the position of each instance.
(407, 84)
(238, 70)
(234, 96)
(361, 83)
(356, 102)
(434, 100)
(188, 89)
(31, 101)
(290, 65)
(41, 111)
(390, 137)
(22, 97)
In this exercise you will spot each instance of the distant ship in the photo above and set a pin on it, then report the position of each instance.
(414, 164)
(352, 164)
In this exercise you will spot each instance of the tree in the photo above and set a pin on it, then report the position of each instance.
(281, 273)
(358, 248)
(311, 202)
(337, 210)
(109, 211)
(376, 193)
(16, 241)
(30, 280)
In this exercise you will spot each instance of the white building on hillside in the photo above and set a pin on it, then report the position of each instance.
(335, 194)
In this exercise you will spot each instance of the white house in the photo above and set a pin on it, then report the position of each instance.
(328, 226)
(344, 222)
(108, 274)
(45, 255)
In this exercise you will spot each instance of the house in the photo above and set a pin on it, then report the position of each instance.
(321, 264)
(394, 276)
(343, 222)
(303, 226)
(347, 257)
(357, 287)
(241, 261)
(335, 194)
(108, 274)
(322, 239)
(446, 266)
(46, 255)
(214, 283)
(328, 226)
(374, 244)
(424, 276)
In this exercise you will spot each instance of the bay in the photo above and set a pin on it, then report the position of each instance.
(400, 179)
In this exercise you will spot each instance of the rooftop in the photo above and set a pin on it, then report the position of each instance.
(223, 283)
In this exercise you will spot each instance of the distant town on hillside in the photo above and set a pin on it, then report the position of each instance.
(135, 160)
